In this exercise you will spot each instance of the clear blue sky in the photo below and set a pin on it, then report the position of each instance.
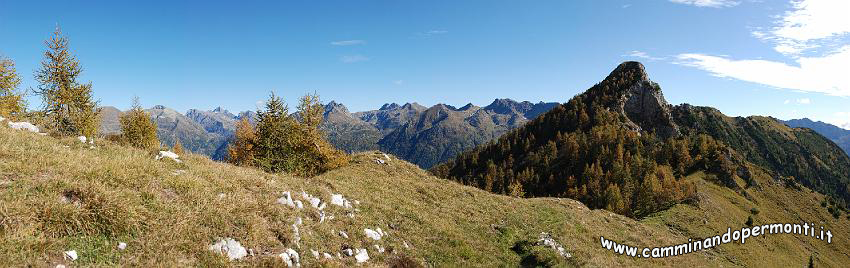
(744, 57)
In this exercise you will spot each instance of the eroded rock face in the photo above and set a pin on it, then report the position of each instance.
(644, 105)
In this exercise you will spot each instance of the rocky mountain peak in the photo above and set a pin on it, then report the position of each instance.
(334, 106)
(389, 106)
(158, 107)
(631, 69)
(466, 107)
(640, 100)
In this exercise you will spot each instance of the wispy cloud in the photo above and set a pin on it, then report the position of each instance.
(708, 3)
(348, 42)
(642, 55)
(432, 33)
(353, 58)
(398, 82)
(809, 24)
(627, 5)
(826, 74)
(799, 101)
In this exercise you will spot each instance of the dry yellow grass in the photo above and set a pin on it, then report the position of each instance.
(54, 199)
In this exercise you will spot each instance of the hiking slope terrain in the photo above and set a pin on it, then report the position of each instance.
(59, 195)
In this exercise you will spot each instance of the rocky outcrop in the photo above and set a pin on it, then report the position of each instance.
(643, 103)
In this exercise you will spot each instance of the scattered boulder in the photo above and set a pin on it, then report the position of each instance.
(337, 199)
(286, 199)
(328, 255)
(343, 234)
(71, 255)
(547, 240)
(362, 255)
(348, 252)
(315, 253)
(122, 245)
(229, 247)
(291, 258)
(375, 235)
(379, 248)
(23, 126)
(168, 154)
(296, 235)
(82, 139)
(380, 161)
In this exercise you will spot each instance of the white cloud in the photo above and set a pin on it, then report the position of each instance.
(432, 33)
(627, 5)
(348, 42)
(804, 101)
(708, 3)
(808, 25)
(353, 58)
(642, 55)
(786, 102)
(398, 82)
(825, 74)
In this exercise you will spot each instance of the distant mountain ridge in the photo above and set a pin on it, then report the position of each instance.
(838, 135)
(422, 135)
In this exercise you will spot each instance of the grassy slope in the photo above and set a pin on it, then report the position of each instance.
(723, 208)
(170, 219)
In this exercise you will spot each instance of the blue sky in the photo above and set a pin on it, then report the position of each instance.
(786, 59)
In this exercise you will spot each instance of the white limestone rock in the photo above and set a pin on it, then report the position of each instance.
(23, 126)
(547, 240)
(122, 245)
(286, 199)
(168, 154)
(374, 235)
(362, 255)
(229, 247)
(71, 255)
(291, 258)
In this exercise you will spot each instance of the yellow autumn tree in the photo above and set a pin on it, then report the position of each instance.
(12, 104)
(68, 105)
(138, 129)
(240, 151)
(285, 144)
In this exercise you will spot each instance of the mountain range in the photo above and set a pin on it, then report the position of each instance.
(424, 136)
(621, 146)
(838, 135)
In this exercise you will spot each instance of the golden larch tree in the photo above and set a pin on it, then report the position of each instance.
(68, 105)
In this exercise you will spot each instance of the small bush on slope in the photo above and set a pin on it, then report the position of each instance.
(284, 144)
(138, 129)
